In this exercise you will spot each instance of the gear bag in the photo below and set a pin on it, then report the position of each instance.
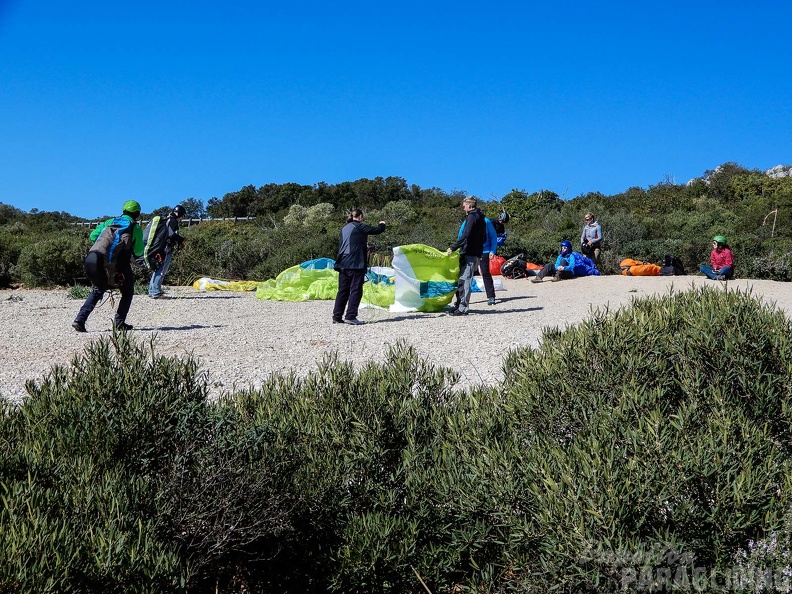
(113, 244)
(495, 264)
(672, 266)
(155, 240)
(515, 267)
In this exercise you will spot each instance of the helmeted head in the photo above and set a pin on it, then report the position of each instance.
(720, 240)
(566, 246)
(131, 208)
(503, 217)
(179, 211)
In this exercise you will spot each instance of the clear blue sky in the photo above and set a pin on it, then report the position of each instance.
(101, 102)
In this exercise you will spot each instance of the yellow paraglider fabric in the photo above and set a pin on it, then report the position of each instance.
(212, 284)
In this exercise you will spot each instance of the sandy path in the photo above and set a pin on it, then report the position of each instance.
(240, 339)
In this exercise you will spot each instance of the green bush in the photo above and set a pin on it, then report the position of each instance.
(363, 442)
(52, 261)
(662, 426)
(81, 292)
(666, 423)
(776, 265)
(10, 248)
(118, 476)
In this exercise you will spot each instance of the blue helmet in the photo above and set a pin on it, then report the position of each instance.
(566, 244)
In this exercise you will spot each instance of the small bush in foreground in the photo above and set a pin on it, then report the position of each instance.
(663, 424)
(118, 476)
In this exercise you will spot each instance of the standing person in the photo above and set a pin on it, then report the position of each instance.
(499, 225)
(721, 260)
(351, 264)
(591, 238)
(172, 240)
(490, 247)
(108, 264)
(564, 265)
(470, 243)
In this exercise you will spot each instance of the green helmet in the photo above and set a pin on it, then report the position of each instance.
(131, 207)
(719, 239)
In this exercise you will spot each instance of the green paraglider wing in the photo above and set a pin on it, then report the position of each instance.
(425, 280)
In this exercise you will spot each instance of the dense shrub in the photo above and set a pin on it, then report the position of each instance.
(10, 247)
(661, 426)
(52, 261)
(664, 423)
(117, 476)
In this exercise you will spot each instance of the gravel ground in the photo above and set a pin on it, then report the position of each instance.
(240, 340)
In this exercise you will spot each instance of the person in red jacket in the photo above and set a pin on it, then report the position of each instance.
(721, 260)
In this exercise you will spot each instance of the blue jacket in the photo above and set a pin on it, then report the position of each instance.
(571, 261)
(584, 266)
(472, 235)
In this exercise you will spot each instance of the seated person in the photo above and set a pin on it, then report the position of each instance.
(591, 238)
(721, 260)
(564, 265)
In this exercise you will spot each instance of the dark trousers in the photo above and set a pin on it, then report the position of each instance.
(350, 292)
(550, 269)
(484, 267)
(94, 269)
(592, 250)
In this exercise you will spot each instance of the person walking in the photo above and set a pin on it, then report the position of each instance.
(108, 264)
(470, 243)
(351, 264)
(172, 241)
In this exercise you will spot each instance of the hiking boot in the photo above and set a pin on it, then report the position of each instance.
(456, 312)
(491, 301)
(555, 279)
(354, 322)
(79, 326)
(122, 326)
(337, 321)
(536, 280)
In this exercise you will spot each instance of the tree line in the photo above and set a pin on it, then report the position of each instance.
(294, 223)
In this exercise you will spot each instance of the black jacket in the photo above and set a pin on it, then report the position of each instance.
(474, 235)
(352, 250)
(174, 238)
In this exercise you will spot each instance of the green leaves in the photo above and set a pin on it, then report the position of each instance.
(658, 431)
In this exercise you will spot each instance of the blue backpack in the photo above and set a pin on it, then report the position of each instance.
(114, 243)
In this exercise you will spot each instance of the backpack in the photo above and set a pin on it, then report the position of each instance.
(155, 240)
(514, 267)
(114, 243)
(495, 264)
(672, 266)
